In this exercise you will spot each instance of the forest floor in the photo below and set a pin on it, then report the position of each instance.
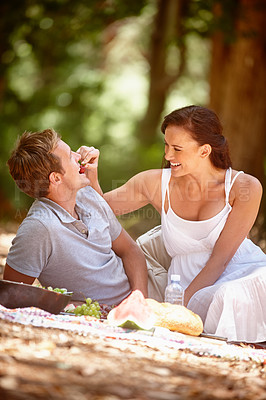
(46, 363)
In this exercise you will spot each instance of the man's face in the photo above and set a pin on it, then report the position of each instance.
(72, 179)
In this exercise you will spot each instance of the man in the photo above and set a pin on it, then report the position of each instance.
(70, 237)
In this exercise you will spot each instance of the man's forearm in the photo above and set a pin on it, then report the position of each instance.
(136, 270)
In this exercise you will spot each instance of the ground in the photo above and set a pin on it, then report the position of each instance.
(38, 363)
(44, 363)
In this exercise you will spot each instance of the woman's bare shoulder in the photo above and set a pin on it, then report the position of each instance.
(149, 176)
(246, 184)
(149, 184)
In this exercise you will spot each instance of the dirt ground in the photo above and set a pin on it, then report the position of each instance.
(39, 363)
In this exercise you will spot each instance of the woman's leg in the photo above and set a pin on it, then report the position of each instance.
(158, 262)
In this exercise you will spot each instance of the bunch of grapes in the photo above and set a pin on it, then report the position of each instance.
(91, 308)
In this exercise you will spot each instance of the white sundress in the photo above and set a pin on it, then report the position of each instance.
(233, 307)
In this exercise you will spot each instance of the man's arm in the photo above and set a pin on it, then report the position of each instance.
(133, 261)
(12, 275)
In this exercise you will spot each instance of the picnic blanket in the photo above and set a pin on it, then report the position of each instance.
(159, 338)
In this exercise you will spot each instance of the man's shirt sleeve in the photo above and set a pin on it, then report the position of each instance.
(30, 248)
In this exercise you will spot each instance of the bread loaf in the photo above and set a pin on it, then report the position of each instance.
(176, 318)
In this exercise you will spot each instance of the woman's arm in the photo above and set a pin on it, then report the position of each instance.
(246, 193)
(140, 190)
(144, 188)
(130, 196)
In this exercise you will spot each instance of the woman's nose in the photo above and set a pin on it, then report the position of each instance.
(168, 154)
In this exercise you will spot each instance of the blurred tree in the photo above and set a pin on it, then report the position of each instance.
(237, 72)
(238, 80)
(168, 35)
(51, 71)
(55, 72)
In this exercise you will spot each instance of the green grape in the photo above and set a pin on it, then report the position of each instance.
(77, 310)
(57, 290)
(89, 308)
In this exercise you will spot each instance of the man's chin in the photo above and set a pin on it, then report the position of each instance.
(85, 181)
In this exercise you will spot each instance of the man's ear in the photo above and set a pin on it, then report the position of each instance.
(205, 150)
(55, 178)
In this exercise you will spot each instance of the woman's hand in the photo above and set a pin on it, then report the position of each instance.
(89, 162)
(89, 157)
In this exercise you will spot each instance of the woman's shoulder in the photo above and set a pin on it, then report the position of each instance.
(150, 175)
(246, 184)
(242, 176)
(149, 184)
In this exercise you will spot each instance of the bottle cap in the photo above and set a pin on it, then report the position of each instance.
(175, 277)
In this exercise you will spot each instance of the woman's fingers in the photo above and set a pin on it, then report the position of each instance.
(89, 155)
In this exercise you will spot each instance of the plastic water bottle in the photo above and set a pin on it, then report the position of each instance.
(174, 292)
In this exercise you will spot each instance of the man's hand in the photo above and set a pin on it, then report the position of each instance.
(89, 161)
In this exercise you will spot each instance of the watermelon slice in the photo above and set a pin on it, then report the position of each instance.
(132, 313)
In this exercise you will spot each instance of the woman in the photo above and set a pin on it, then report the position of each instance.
(207, 210)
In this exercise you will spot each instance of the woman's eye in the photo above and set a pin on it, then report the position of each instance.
(176, 149)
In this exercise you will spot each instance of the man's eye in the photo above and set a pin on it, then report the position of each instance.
(175, 149)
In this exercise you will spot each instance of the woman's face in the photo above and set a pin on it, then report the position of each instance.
(181, 150)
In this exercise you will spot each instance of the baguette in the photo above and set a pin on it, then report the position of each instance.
(176, 318)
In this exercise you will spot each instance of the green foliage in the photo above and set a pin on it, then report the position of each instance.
(209, 16)
(81, 68)
(53, 72)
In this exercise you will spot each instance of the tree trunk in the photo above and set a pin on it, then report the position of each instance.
(168, 27)
(238, 83)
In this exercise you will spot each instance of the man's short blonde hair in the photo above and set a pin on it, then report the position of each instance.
(32, 161)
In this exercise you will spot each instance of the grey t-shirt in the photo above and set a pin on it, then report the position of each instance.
(61, 251)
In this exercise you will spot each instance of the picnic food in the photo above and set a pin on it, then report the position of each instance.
(132, 313)
(176, 318)
(136, 312)
(81, 168)
(91, 308)
(57, 290)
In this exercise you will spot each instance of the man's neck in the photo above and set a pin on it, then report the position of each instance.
(68, 205)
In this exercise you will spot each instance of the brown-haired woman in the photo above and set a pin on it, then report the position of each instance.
(207, 210)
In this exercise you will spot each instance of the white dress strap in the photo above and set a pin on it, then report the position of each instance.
(166, 176)
(229, 183)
